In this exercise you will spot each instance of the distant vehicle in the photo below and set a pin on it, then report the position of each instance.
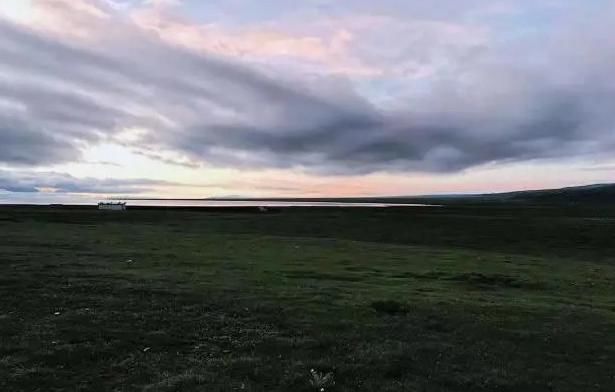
(119, 206)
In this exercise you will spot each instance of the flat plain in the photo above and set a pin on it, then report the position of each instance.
(454, 298)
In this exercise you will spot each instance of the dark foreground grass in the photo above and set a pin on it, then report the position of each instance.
(447, 299)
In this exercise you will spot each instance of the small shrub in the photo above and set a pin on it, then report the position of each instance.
(389, 307)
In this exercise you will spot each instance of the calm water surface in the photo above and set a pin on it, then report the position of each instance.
(46, 199)
(258, 203)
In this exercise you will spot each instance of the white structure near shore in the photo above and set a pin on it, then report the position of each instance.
(112, 206)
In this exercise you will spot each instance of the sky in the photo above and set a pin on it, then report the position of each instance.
(202, 98)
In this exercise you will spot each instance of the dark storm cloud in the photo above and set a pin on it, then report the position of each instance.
(20, 144)
(30, 181)
(56, 97)
(33, 182)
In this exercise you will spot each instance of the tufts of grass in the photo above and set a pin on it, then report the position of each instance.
(493, 281)
(321, 381)
(450, 299)
(185, 381)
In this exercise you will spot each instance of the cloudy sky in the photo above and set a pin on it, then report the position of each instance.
(198, 98)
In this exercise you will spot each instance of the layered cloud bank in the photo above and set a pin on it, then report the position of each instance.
(35, 182)
(350, 94)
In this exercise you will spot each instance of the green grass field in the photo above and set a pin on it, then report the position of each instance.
(420, 299)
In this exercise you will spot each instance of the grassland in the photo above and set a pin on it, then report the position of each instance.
(459, 298)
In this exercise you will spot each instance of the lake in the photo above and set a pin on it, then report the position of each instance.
(47, 199)
(259, 203)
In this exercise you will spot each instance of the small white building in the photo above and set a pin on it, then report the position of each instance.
(119, 206)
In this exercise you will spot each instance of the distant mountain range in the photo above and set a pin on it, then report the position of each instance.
(597, 194)
(588, 194)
